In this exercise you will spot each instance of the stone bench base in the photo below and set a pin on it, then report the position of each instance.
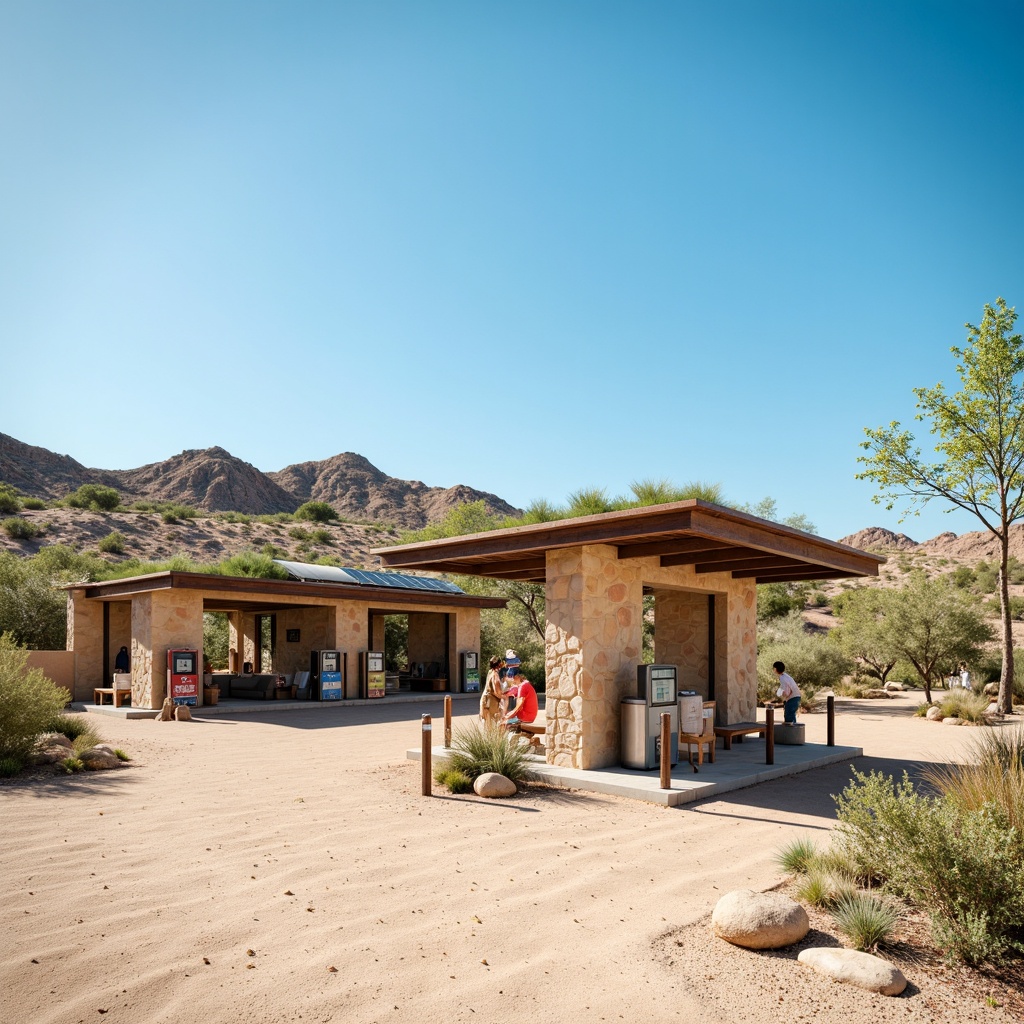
(791, 735)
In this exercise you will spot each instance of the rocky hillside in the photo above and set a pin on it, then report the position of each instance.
(967, 547)
(214, 480)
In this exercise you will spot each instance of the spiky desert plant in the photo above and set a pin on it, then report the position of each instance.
(797, 856)
(865, 920)
(476, 751)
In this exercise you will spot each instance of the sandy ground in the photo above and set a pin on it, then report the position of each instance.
(284, 867)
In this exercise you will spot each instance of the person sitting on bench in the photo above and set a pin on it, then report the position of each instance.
(522, 699)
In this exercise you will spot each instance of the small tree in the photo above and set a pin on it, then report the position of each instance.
(29, 701)
(95, 497)
(316, 512)
(980, 445)
(935, 627)
(865, 633)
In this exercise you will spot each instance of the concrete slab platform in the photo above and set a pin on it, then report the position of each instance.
(258, 707)
(738, 768)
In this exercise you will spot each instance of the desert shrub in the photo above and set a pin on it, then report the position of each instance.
(797, 855)
(234, 517)
(28, 700)
(121, 755)
(966, 866)
(811, 660)
(921, 711)
(174, 511)
(453, 779)
(299, 533)
(36, 504)
(72, 765)
(321, 536)
(818, 598)
(823, 888)
(476, 751)
(994, 607)
(253, 564)
(272, 551)
(85, 741)
(855, 687)
(962, 577)
(10, 766)
(274, 518)
(113, 543)
(20, 529)
(1014, 569)
(865, 920)
(986, 578)
(10, 503)
(95, 497)
(71, 726)
(965, 704)
(316, 512)
(775, 600)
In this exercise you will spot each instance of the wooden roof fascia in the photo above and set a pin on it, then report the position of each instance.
(787, 576)
(764, 562)
(678, 546)
(790, 542)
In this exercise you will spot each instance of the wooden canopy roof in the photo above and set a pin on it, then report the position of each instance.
(708, 537)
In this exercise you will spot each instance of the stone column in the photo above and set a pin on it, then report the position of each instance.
(161, 620)
(593, 645)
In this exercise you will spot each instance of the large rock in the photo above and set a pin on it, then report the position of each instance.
(855, 968)
(182, 714)
(759, 920)
(934, 714)
(96, 760)
(491, 784)
(51, 748)
(894, 686)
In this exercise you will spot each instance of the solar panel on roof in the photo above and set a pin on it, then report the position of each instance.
(365, 577)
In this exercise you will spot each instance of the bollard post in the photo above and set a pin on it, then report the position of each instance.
(425, 756)
(666, 751)
(769, 735)
(447, 722)
(831, 741)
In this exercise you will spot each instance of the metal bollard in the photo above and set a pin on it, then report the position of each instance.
(666, 751)
(769, 735)
(447, 722)
(831, 741)
(425, 756)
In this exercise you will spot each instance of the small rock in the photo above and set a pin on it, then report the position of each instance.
(491, 784)
(934, 714)
(876, 694)
(991, 689)
(97, 760)
(759, 920)
(952, 720)
(855, 968)
(182, 714)
(166, 711)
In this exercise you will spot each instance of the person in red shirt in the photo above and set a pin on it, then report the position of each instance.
(523, 701)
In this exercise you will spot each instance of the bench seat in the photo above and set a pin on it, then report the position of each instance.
(118, 695)
(737, 731)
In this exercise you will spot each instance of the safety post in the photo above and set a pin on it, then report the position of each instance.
(447, 722)
(769, 735)
(666, 751)
(425, 756)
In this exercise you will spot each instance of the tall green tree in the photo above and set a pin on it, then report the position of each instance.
(979, 444)
(935, 627)
(866, 632)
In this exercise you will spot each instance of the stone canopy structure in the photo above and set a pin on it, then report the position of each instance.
(153, 613)
(700, 561)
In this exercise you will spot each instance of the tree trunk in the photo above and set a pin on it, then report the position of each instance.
(1006, 677)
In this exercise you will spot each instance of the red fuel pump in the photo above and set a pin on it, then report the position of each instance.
(183, 677)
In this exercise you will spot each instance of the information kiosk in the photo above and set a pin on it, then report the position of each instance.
(325, 676)
(371, 674)
(183, 677)
(641, 717)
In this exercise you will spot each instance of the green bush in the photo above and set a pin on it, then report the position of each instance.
(36, 504)
(823, 888)
(20, 529)
(965, 865)
(10, 766)
(797, 855)
(865, 920)
(453, 779)
(72, 765)
(10, 503)
(477, 751)
(321, 536)
(254, 564)
(962, 577)
(28, 700)
(775, 600)
(95, 497)
(299, 533)
(965, 704)
(811, 660)
(173, 511)
(316, 512)
(71, 726)
(113, 543)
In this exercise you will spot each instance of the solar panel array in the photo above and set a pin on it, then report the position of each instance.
(309, 573)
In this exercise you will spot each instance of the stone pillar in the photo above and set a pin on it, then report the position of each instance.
(593, 645)
(85, 638)
(235, 642)
(162, 619)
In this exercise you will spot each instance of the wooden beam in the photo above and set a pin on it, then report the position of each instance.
(678, 545)
(788, 575)
(724, 553)
(765, 562)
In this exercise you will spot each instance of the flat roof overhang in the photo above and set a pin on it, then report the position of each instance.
(709, 537)
(255, 592)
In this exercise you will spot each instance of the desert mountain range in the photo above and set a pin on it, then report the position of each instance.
(214, 480)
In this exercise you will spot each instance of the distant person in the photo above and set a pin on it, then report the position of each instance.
(965, 677)
(788, 691)
(522, 701)
(491, 697)
(123, 661)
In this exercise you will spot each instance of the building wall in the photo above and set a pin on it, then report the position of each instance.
(428, 639)
(85, 638)
(593, 643)
(57, 666)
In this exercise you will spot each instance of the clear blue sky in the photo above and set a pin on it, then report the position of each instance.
(527, 246)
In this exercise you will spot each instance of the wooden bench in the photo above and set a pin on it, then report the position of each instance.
(534, 731)
(738, 730)
(117, 696)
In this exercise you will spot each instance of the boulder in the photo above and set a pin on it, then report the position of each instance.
(759, 920)
(894, 687)
(96, 760)
(855, 968)
(952, 720)
(934, 715)
(166, 711)
(491, 784)
(876, 693)
(182, 713)
(991, 689)
(51, 748)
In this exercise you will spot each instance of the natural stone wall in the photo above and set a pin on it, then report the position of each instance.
(85, 638)
(162, 620)
(593, 644)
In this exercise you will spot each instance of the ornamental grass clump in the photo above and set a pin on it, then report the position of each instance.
(454, 780)
(965, 705)
(797, 856)
(865, 920)
(475, 752)
(823, 888)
